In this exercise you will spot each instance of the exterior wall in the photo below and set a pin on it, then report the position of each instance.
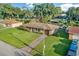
(4, 25)
(51, 32)
(12, 25)
(76, 36)
(16, 24)
(73, 36)
(37, 30)
(70, 36)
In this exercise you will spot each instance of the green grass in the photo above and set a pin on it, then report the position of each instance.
(13, 36)
(55, 45)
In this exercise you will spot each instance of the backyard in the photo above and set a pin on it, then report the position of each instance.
(17, 37)
(54, 45)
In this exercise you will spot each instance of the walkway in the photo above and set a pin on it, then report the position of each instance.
(34, 43)
(8, 50)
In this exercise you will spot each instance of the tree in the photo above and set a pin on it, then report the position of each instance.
(73, 16)
(6, 10)
(71, 13)
(45, 11)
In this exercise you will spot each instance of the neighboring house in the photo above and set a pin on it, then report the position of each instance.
(73, 33)
(11, 23)
(63, 14)
(47, 29)
(54, 21)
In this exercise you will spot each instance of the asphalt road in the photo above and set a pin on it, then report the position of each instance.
(8, 50)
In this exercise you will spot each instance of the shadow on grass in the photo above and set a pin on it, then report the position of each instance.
(62, 47)
(65, 41)
(61, 32)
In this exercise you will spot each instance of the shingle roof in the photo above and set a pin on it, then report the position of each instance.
(41, 26)
(73, 30)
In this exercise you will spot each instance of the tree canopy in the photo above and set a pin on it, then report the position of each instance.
(41, 11)
(45, 11)
(73, 15)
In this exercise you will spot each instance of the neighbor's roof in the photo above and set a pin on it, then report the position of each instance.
(43, 26)
(73, 30)
(12, 21)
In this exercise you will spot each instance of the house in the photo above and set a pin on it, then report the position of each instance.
(63, 14)
(47, 29)
(73, 33)
(55, 21)
(11, 23)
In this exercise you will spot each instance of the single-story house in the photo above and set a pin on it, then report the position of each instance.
(73, 33)
(11, 23)
(47, 29)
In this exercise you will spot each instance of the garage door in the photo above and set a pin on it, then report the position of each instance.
(76, 36)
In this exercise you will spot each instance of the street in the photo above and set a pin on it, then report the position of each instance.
(8, 50)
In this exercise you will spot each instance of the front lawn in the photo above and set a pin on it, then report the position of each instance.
(16, 37)
(54, 45)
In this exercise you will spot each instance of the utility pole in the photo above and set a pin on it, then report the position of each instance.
(44, 48)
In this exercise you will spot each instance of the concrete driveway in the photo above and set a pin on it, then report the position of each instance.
(34, 43)
(8, 50)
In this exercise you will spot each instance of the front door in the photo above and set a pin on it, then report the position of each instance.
(47, 32)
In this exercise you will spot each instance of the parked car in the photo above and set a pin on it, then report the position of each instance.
(73, 47)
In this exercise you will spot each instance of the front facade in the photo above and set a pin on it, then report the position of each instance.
(38, 30)
(73, 33)
(47, 29)
(73, 36)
